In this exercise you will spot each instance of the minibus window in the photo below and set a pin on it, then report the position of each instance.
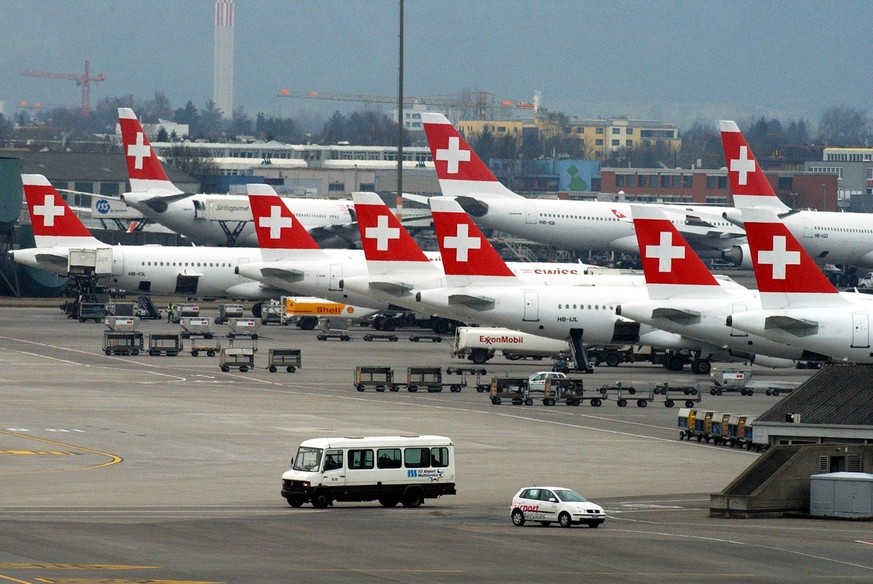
(388, 458)
(439, 457)
(416, 457)
(360, 459)
(307, 459)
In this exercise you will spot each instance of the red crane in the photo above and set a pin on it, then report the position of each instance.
(82, 79)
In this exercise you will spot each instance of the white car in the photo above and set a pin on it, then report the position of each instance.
(550, 504)
(537, 381)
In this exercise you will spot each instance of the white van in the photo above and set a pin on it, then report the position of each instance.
(390, 469)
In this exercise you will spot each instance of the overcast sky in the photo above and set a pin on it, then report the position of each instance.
(678, 61)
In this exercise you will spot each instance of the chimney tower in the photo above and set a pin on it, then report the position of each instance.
(222, 79)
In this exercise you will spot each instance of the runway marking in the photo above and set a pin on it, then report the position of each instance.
(864, 542)
(65, 566)
(113, 458)
(39, 452)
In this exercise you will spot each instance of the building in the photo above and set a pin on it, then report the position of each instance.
(854, 170)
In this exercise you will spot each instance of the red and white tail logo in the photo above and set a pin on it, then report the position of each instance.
(275, 224)
(465, 250)
(782, 266)
(383, 237)
(666, 256)
(749, 184)
(53, 221)
(143, 167)
(458, 169)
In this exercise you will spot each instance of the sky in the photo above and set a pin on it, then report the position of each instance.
(679, 61)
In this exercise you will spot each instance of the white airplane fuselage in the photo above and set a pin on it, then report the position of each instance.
(842, 333)
(208, 219)
(194, 271)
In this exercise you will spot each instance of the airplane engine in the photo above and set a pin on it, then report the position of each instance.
(739, 255)
(772, 362)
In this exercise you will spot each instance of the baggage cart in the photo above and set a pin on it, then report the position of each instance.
(244, 328)
(464, 371)
(209, 345)
(641, 397)
(239, 358)
(376, 377)
(685, 422)
(91, 311)
(290, 359)
(431, 338)
(121, 323)
(691, 394)
(195, 327)
(122, 342)
(169, 344)
(566, 391)
(181, 311)
(228, 311)
(429, 379)
(380, 337)
(514, 389)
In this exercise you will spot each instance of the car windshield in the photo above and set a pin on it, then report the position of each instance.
(569, 496)
(307, 459)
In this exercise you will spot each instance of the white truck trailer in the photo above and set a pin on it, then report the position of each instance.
(479, 344)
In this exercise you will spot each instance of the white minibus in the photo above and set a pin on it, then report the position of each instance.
(390, 469)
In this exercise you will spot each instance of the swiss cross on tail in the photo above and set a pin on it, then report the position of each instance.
(666, 256)
(142, 164)
(452, 156)
(465, 250)
(749, 184)
(780, 262)
(382, 236)
(275, 225)
(49, 213)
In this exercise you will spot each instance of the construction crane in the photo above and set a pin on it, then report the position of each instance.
(481, 104)
(82, 79)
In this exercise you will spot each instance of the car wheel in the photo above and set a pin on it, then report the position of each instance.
(387, 501)
(517, 517)
(295, 501)
(320, 499)
(565, 520)
(412, 498)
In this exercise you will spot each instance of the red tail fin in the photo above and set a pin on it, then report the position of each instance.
(781, 264)
(667, 258)
(465, 250)
(749, 184)
(275, 224)
(50, 215)
(458, 169)
(383, 237)
(143, 167)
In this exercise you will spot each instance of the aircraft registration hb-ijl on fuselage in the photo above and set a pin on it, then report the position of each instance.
(828, 237)
(214, 219)
(800, 307)
(584, 225)
(685, 298)
(188, 271)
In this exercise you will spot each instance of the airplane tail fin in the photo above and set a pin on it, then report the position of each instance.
(670, 265)
(387, 244)
(459, 170)
(787, 275)
(275, 225)
(54, 223)
(465, 250)
(143, 167)
(749, 184)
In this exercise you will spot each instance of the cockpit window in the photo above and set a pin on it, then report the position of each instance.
(307, 459)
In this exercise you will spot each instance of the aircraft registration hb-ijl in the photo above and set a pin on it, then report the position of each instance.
(800, 307)
(214, 219)
(686, 299)
(189, 271)
(828, 237)
(585, 225)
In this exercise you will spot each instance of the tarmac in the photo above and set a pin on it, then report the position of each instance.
(166, 469)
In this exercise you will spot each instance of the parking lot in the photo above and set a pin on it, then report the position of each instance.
(167, 468)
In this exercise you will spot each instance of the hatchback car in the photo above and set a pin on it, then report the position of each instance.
(550, 504)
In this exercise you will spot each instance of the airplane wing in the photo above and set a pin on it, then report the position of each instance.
(799, 327)
(677, 315)
(393, 288)
(471, 301)
(54, 259)
(339, 235)
(288, 275)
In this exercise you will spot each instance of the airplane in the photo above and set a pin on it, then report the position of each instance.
(332, 274)
(587, 225)
(686, 299)
(165, 270)
(829, 237)
(800, 306)
(480, 288)
(214, 219)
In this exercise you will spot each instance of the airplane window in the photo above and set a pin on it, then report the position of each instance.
(162, 263)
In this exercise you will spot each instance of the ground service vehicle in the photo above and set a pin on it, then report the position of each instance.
(550, 504)
(390, 469)
(479, 344)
